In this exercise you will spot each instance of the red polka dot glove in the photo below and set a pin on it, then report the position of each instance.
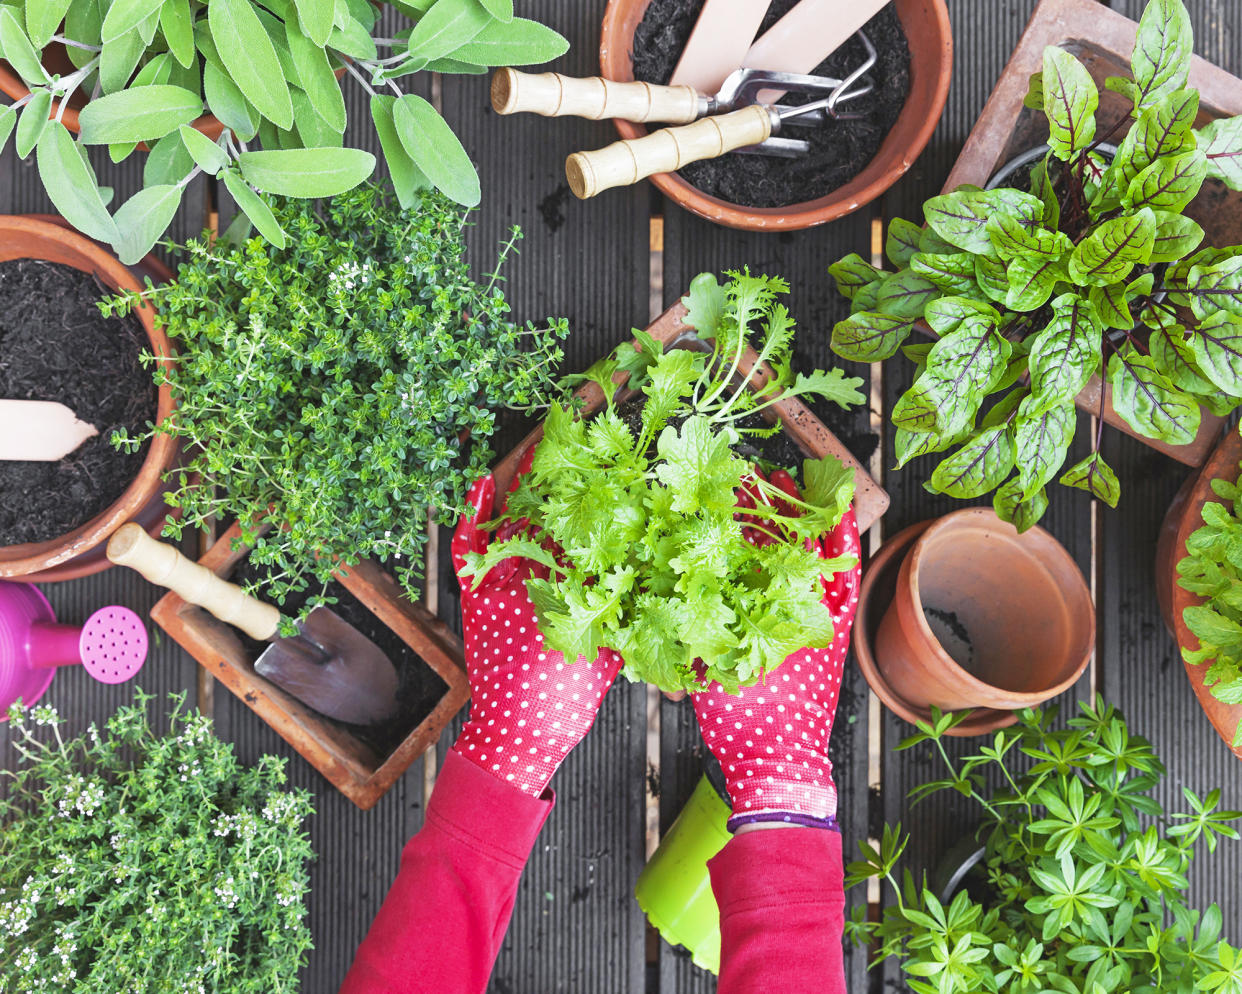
(528, 709)
(772, 738)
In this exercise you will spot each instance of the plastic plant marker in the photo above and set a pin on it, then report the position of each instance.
(721, 38)
(40, 431)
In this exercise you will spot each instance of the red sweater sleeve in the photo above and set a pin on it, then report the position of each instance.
(782, 912)
(442, 923)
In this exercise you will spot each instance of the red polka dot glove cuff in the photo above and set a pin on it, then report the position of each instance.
(772, 738)
(528, 708)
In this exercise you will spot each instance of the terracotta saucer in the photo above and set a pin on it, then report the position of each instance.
(879, 586)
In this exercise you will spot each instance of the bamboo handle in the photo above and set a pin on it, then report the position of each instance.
(165, 566)
(626, 162)
(554, 95)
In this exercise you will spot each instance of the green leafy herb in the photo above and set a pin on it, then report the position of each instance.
(347, 381)
(641, 500)
(1082, 882)
(140, 861)
(1094, 272)
(269, 70)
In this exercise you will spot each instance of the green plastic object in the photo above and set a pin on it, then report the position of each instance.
(675, 891)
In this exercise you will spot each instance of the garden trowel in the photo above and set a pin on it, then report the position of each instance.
(329, 665)
(40, 431)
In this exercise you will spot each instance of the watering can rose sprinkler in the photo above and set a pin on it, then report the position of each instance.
(111, 646)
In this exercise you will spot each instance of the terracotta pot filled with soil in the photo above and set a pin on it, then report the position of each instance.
(56, 516)
(1184, 516)
(850, 163)
(966, 613)
(1102, 40)
(362, 762)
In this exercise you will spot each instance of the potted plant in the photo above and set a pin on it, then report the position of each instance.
(895, 132)
(49, 285)
(243, 91)
(143, 861)
(656, 566)
(1081, 884)
(1096, 270)
(1204, 587)
(341, 387)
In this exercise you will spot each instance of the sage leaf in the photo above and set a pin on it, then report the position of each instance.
(520, 42)
(1066, 353)
(126, 15)
(228, 103)
(353, 39)
(869, 336)
(1168, 184)
(1221, 145)
(1041, 440)
(436, 151)
(118, 60)
(43, 17)
(208, 155)
(502, 10)
(70, 184)
(316, 78)
(1113, 249)
(315, 18)
(8, 118)
(33, 122)
(143, 218)
(252, 205)
(141, 113)
(1022, 513)
(1216, 346)
(18, 51)
(904, 294)
(977, 467)
(1070, 101)
(1096, 477)
(1150, 404)
(961, 218)
(446, 27)
(1161, 60)
(1176, 237)
(177, 24)
(169, 161)
(248, 54)
(852, 273)
(83, 21)
(407, 178)
(305, 172)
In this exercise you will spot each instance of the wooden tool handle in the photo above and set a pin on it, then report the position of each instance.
(165, 566)
(554, 95)
(625, 162)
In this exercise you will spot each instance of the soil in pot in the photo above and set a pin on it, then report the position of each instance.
(953, 637)
(419, 688)
(56, 346)
(839, 151)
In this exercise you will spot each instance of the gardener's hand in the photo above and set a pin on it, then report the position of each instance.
(772, 738)
(528, 708)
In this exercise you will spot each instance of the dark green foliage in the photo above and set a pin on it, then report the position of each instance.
(1093, 272)
(1084, 873)
(655, 565)
(333, 380)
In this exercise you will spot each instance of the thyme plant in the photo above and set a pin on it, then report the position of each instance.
(1095, 270)
(135, 861)
(1084, 877)
(338, 388)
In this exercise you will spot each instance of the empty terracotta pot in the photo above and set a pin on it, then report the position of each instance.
(926, 24)
(78, 552)
(985, 617)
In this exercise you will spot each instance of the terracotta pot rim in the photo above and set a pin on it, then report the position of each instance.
(857, 192)
(982, 719)
(908, 579)
(35, 557)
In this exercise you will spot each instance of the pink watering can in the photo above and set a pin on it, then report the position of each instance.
(112, 645)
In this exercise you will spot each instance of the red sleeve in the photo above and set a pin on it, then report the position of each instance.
(782, 912)
(442, 923)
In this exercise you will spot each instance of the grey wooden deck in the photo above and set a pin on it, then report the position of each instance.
(606, 265)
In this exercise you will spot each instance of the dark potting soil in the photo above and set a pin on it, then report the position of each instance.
(839, 150)
(56, 346)
(419, 687)
(952, 636)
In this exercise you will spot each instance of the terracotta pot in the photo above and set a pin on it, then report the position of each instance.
(1103, 39)
(926, 23)
(1184, 516)
(806, 430)
(347, 762)
(55, 61)
(36, 238)
(983, 616)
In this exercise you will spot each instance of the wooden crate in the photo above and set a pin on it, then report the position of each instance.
(349, 764)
